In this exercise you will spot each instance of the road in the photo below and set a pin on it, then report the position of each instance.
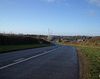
(55, 62)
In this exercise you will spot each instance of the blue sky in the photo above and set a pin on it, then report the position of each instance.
(61, 17)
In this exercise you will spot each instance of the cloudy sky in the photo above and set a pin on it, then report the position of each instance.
(61, 17)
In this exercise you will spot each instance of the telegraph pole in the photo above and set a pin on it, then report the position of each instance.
(49, 36)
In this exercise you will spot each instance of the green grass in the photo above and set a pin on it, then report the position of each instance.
(7, 48)
(93, 56)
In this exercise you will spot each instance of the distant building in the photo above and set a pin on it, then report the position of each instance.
(80, 40)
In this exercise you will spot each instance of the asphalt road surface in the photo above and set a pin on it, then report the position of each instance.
(55, 62)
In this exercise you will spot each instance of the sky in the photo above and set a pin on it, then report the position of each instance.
(59, 17)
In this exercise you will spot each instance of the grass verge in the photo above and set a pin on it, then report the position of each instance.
(92, 55)
(8, 48)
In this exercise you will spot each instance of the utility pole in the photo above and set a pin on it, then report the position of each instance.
(49, 36)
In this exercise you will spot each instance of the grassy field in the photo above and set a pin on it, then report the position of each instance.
(93, 56)
(7, 48)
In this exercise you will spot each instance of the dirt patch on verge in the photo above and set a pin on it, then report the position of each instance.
(83, 65)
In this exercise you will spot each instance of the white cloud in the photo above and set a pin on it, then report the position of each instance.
(92, 13)
(96, 2)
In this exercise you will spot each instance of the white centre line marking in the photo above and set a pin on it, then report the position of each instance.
(27, 59)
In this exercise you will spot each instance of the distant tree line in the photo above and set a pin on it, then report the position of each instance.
(20, 39)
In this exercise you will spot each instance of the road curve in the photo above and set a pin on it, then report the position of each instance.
(55, 62)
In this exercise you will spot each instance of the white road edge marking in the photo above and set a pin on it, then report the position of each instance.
(27, 59)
